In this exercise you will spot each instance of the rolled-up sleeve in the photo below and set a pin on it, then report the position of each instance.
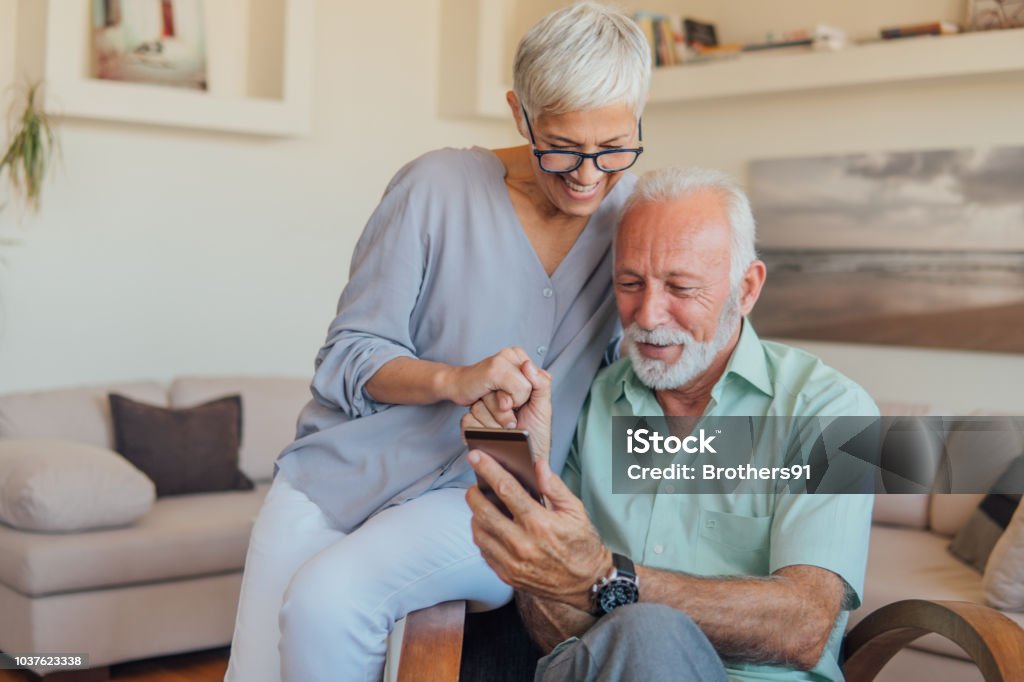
(372, 326)
(831, 531)
(827, 531)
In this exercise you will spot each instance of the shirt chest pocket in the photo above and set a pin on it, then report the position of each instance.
(732, 544)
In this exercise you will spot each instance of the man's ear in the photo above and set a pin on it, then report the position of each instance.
(750, 286)
(517, 113)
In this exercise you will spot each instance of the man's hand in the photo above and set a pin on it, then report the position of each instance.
(534, 416)
(553, 552)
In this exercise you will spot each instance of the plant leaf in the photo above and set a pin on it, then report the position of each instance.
(28, 153)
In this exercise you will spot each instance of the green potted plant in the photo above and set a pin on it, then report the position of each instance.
(30, 149)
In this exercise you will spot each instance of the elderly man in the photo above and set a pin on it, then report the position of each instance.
(663, 586)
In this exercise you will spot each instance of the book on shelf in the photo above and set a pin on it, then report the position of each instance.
(699, 33)
(664, 36)
(931, 28)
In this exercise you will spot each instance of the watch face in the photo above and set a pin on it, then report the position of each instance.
(618, 592)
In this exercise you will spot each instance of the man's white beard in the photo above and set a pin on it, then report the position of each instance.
(695, 358)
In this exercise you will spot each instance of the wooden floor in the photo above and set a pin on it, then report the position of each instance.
(204, 666)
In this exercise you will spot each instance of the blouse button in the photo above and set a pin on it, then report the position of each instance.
(658, 549)
(541, 350)
(548, 292)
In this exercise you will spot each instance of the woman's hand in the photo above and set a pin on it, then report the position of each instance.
(534, 416)
(500, 374)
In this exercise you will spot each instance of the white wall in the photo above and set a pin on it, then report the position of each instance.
(160, 252)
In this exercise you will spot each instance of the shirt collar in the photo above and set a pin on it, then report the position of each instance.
(747, 362)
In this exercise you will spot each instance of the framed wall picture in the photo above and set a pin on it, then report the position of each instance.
(920, 248)
(107, 61)
(987, 15)
(161, 42)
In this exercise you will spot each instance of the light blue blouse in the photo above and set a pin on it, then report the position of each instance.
(444, 272)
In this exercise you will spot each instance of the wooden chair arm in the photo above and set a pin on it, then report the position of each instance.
(993, 642)
(432, 644)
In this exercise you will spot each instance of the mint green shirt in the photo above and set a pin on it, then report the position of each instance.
(733, 534)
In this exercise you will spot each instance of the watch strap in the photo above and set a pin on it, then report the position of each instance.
(624, 566)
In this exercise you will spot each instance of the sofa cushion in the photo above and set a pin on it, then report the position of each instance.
(969, 446)
(1004, 575)
(271, 406)
(974, 542)
(181, 537)
(913, 564)
(188, 450)
(80, 414)
(947, 513)
(54, 485)
(910, 510)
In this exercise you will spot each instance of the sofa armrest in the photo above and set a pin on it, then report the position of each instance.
(432, 644)
(992, 641)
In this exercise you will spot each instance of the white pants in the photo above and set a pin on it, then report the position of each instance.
(318, 604)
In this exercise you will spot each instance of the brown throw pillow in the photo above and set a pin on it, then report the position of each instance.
(975, 541)
(192, 450)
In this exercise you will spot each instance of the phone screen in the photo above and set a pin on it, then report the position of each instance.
(511, 449)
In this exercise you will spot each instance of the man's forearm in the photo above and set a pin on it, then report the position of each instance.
(782, 619)
(550, 622)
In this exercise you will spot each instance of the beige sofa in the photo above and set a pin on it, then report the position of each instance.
(167, 583)
(908, 558)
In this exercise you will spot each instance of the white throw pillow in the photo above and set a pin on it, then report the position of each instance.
(59, 485)
(1004, 573)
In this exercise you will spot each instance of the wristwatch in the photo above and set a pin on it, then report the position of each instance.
(618, 588)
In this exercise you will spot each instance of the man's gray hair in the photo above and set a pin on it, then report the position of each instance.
(669, 184)
(585, 56)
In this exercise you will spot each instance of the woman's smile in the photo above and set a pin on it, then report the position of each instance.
(578, 191)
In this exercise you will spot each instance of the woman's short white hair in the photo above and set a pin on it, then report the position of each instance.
(669, 184)
(582, 57)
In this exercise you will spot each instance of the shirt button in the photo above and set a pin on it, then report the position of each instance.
(541, 350)
(670, 488)
(658, 549)
(548, 292)
(710, 523)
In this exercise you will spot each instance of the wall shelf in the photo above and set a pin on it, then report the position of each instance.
(479, 44)
(904, 60)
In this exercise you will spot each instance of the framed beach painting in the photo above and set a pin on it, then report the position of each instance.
(919, 248)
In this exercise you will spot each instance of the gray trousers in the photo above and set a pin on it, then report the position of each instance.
(639, 642)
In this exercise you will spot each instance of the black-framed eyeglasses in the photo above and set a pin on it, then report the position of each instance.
(565, 161)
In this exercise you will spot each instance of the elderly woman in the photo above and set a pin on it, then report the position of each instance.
(476, 268)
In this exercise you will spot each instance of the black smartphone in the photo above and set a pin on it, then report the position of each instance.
(511, 449)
